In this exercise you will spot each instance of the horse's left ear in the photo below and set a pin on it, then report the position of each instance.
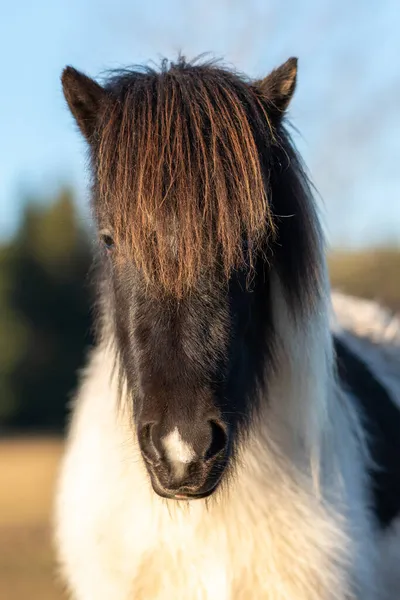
(278, 87)
(85, 99)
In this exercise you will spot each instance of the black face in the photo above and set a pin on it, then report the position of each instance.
(192, 366)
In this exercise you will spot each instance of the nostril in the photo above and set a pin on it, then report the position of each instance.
(219, 440)
(146, 442)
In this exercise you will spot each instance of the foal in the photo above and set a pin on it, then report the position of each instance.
(212, 453)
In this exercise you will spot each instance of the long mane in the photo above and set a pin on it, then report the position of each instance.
(196, 177)
(179, 153)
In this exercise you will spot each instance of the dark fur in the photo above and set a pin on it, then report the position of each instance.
(382, 422)
(192, 313)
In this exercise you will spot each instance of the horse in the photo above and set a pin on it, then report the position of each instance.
(229, 439)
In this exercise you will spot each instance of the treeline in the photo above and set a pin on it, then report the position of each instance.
(45, 316)
(372, 274)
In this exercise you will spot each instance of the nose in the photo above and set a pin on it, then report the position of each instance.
(184, 462)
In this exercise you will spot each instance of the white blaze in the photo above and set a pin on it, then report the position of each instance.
(179, 452)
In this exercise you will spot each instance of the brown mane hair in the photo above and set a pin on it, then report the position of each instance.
(179, 171)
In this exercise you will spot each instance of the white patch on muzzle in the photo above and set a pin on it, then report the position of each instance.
(179, 452)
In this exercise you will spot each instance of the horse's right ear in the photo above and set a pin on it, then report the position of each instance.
(85, 98)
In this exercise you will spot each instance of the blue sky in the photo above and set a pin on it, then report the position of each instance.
(347, 106)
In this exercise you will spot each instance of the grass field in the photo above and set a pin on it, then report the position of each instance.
(28, 467)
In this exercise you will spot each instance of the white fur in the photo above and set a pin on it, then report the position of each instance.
(291, 525)
(179, 453)
(177, 449)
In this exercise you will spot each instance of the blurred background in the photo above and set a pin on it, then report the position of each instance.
(346, 108)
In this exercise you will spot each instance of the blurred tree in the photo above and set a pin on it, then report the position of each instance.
(44, 314)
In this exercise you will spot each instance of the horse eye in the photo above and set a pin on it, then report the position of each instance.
(107, 240)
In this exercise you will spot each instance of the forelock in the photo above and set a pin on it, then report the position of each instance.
(179, 171)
